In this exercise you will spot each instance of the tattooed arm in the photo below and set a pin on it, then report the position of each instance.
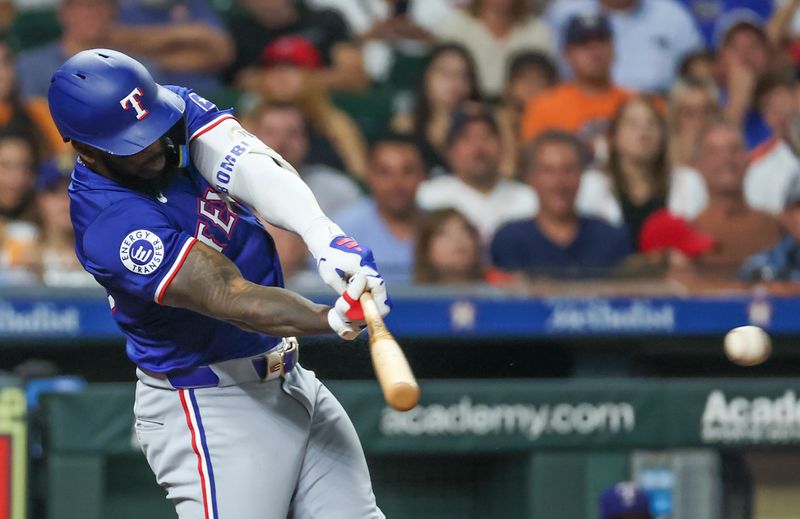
(211, 284)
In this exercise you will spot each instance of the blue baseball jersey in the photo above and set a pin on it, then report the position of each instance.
(134, 245)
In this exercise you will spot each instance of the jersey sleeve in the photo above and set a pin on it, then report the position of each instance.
(132, 247)
(201, 114)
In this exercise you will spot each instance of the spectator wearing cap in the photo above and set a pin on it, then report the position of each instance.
(743, 57)
(667, 236)
(782, 262)
(651, 37)
(529, 74)
(493, 31)
(625, 501)
(264, 21)
(774, 164)
(283, 128)
(387, 219)
(738, 229)
(185, 40)
(59, 265)
(289, 76)
(707, 12)
(476, 188)
(557, 241)
(585, 104)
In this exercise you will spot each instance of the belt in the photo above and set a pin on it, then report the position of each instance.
(268, 366)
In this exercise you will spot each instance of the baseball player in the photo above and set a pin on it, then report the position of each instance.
(163, 200)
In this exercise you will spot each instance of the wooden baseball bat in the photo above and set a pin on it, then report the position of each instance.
(399, 386)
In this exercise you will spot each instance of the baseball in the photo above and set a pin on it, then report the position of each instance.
(747, 345)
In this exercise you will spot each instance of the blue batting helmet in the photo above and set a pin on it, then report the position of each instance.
(108, 100)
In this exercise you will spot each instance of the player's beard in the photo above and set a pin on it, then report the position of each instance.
(153, 186)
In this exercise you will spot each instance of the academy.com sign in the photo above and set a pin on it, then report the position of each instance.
(760, 419)
(532, 421)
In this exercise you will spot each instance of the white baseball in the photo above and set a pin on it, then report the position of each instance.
(747, 345)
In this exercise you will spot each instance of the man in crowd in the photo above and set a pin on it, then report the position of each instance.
(557, 241)
(651, 37)
(388, 218)
(782, 262)
(742, 60)
(174, 51)
(185, 39)
(85, 24)
(476, 188)
(738, 229)
(774, 164)
(585, 105)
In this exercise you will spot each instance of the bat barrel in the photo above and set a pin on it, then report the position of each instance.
(402, 396)
(399, 386)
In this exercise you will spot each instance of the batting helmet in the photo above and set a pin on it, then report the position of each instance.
(109, 100)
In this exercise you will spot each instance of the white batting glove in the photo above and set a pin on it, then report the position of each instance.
(346, 317)
(343, 258)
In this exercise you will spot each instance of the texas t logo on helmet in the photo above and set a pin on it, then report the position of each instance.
(131, 100)
(86, 94)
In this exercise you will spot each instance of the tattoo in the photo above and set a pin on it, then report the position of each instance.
(211, 284)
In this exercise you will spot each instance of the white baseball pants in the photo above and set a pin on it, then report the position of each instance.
(248, 449)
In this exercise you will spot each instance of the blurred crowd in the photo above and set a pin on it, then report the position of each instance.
(482, 141)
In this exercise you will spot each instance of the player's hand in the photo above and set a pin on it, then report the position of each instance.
(343, 258)
(346, 318)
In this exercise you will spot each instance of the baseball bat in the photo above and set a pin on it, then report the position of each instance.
(399, 386)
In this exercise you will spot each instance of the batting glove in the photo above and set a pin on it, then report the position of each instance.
(343, 258)
(346, 317)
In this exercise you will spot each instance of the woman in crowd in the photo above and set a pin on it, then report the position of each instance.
(638, 162)
(448, 250)
(29, 119)
(19, 254)
(448, 80)
(493, 31)
(59, 265)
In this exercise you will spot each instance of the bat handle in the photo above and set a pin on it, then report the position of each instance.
(377, 328)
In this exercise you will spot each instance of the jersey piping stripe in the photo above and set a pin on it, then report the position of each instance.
(173, 270)
(201, 459)
(210, 126)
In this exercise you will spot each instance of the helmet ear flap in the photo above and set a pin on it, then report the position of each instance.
(175, 145)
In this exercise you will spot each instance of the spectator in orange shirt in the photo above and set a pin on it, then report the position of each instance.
(585, 105)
